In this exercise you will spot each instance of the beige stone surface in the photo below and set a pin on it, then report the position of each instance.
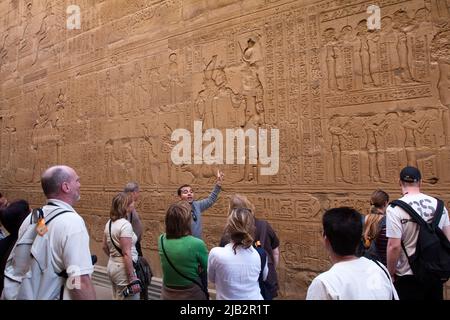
(353, 106)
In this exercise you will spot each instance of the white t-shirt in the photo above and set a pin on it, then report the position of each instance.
(121, 228)
(236, 275)
(69, 240)
(359, 279)
(399, 225)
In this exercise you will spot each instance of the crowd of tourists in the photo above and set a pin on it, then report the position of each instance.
(398, 250)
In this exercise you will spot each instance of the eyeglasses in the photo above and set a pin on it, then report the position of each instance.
(194, 216)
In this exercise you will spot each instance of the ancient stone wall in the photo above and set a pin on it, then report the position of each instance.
(352, 105)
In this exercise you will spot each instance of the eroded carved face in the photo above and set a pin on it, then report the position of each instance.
(362, 27)
(221, 78)
(422, 15)
(329, 35)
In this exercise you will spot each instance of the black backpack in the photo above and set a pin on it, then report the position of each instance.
(431, 261)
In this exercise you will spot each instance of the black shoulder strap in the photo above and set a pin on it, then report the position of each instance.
(112, 241)
(261, 230)
(417, 218)
(205, 290)
(409, 210)
(59, 213)
(263, 255)
(41, 215)
(387, 275)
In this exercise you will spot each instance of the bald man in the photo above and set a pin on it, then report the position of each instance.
(67, 232)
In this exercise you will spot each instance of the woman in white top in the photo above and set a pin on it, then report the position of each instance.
(119, 243)
(235, 268)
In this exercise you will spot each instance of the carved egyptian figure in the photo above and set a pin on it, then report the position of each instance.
(420, 39)
(252, 85)
(440, 52)
(389, 62)
(401, 26)
(329, 38)
(363, 48)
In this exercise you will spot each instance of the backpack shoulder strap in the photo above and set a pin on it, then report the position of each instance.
(387, 275)
(414, 215)
(438, 213)
(409, 210)
(58, 214)
(40, 214)
(263, 256)
(112, 241)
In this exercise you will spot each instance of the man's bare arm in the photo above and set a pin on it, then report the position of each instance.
(446, 231)
(85, 291)
(394, 248)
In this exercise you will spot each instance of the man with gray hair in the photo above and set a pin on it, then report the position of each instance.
(133, 217)
(67, 234)
(54, 246)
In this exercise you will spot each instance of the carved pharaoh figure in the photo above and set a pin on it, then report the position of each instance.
(111, 164)
(388, 55)
(149, 162)
(329, 38)
(140, 90)
(440, 53)
(112, 103)
(26, 39)
(46, 139)
(175, 84)
(414, 125)
(420, 39)
(337, 131)
(252, 87)
(402, 25)
(347, 43)
(364, 55)
(128, 160)
(227, 101)
(206, 99)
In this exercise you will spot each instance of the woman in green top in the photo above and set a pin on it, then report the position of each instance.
(182, 256)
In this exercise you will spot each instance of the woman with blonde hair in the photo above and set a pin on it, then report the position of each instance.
(235, 269)
(374, 233)
(265, 237)
(183, 256)
(119, 243)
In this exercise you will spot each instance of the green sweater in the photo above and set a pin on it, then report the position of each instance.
(186, 254)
